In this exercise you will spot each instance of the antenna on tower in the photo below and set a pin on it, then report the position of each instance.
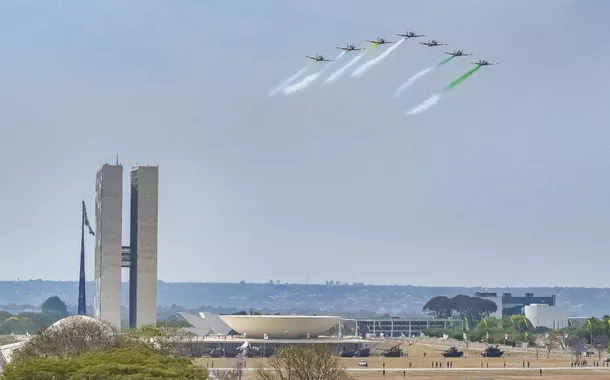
(117, 159)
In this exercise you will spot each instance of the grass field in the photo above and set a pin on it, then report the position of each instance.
(424, 356)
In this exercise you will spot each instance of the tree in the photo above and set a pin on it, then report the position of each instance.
(440, 307)
(600, 343)
(552, 340)
(472, 308)
(17, 325)
(71, 338)
(166, 339)
(121, 363)
(577, 345)
(54, 305)
(303, 363)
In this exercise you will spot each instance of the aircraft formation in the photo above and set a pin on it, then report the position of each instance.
(299, 81)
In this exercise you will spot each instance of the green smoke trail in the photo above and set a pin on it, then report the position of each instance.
(446, 60)
(461, 79)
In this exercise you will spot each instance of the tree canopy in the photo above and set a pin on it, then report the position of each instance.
(121, 363)
(472, 308)
(54, 305)
(304, 363)
(83, 348)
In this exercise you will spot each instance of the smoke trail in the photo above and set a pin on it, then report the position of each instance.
(305, 82)
(461, 79)
(337, 74)
(418, 75)
(436, 97)
(276, 90)
(445, 60)
(411, 80)
(367, 65)
(425, 105)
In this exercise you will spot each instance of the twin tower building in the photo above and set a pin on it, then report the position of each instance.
(140, 256)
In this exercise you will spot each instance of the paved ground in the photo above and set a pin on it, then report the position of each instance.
(423, 356)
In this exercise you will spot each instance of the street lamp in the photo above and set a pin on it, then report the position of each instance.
(285, 338)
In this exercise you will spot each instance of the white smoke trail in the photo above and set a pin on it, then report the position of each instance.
(411, 80)
(424, 105)
(337, 74)
(367, 65)
(305, 82)
(276, 90)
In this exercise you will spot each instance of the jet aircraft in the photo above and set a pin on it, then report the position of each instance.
(458, 53)
(484, 63)
(380, 41)
(319, 58)
(410, 34)
(349, 47)
(432, 43)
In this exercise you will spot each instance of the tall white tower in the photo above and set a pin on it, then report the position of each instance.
(108, 239)
(143, 242)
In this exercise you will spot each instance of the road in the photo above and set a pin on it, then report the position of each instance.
(500, 369)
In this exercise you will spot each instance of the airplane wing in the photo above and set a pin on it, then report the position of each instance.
(425, 43)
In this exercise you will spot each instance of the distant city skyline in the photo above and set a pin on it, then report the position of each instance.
(504, 183)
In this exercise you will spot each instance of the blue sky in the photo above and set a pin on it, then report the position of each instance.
(504, 182)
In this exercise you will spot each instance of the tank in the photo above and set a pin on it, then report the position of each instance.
(453, 352)
(394, 352)
(364, 353)
(492, 352)
(345, 353)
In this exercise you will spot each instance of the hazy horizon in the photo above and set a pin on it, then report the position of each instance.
(505, 181)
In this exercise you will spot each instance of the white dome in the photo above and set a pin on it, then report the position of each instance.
(75, 320)
(280, 326)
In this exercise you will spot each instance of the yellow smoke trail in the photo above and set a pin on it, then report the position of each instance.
(367, 65)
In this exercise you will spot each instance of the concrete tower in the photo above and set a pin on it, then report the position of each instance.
(108, 239)
(143, 244)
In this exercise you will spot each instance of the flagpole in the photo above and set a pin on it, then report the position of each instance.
(82, 297)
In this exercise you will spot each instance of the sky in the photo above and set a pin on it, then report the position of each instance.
(504, 183)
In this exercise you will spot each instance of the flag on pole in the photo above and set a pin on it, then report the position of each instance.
(505, 336)
(86, 220)
(464, 336)
(265, 336)
(487, 335)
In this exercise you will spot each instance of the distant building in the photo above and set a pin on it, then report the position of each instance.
(577, 322)
(552, 317)
(405, 327)
(513, 305)
(492, 297)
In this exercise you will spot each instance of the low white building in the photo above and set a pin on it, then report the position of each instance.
(552, 317)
